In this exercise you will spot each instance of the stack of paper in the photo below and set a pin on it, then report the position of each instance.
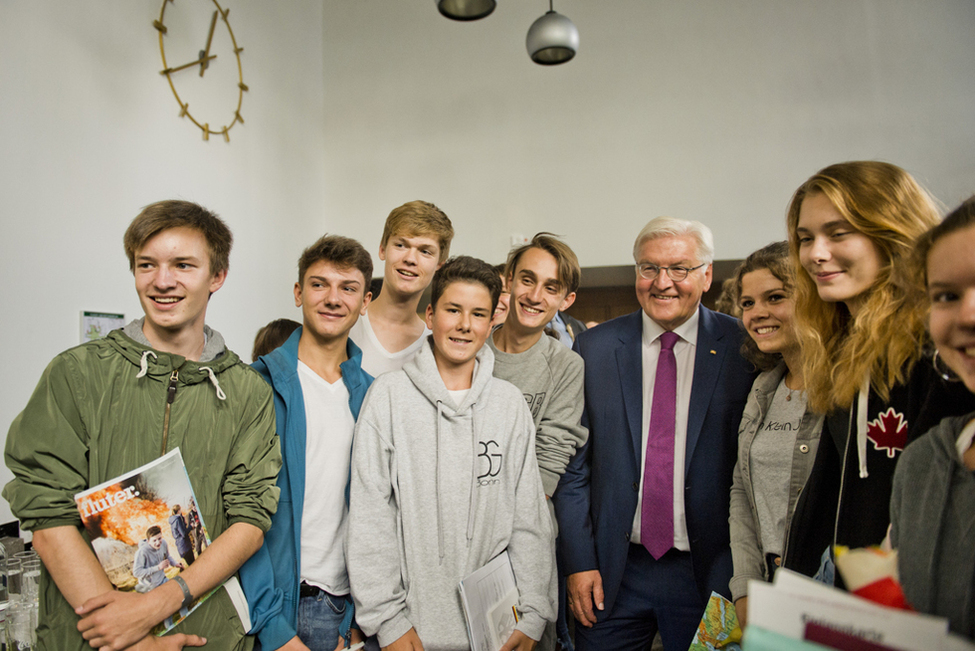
(797, 608)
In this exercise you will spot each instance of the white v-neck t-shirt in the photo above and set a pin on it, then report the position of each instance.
(328, 450)
(376, 360)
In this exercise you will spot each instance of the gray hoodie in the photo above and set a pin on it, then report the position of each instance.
(933, 527)
(437, 491)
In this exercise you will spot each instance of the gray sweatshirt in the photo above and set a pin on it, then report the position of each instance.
(932, 525)
(437, 491)
(550, 377)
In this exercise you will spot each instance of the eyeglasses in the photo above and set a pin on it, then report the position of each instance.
(676, 273)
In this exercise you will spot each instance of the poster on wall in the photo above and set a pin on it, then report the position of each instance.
(95, 325)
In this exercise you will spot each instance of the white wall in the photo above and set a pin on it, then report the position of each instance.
(90, 133)
(704, 109)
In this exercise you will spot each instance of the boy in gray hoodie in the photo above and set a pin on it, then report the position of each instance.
(444, 455)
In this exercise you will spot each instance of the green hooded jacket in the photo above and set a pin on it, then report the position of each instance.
(100, 410)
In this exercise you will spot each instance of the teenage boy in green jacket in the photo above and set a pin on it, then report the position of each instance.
(109, 406)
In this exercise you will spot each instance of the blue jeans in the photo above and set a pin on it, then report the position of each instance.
(319, 618)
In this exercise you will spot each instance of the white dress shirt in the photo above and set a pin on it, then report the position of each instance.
(684, 351)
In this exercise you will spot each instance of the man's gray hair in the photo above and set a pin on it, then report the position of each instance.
(673, 227)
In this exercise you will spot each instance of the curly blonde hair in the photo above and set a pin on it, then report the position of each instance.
(883, 202)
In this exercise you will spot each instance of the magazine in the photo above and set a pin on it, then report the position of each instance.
(145, 528)
(490, 597)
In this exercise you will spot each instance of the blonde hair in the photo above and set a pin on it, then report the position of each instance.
(883, 202)
(420, 219)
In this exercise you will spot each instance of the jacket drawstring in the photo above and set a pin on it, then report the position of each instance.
(470, 505)
(440, 542)
(144, 363)
(144, 368)
(215, 382)
(862, 405)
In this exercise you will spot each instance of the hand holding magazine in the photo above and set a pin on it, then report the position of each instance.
(144, 527)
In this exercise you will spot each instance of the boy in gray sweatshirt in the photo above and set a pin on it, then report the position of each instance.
(543, 276)
(444, 456)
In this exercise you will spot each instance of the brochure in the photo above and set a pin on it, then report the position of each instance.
(490, 598)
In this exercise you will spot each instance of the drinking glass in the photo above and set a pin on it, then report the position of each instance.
(21, 626)
(31, 579)
(14, 574)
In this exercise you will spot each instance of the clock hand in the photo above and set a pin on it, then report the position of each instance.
(200, 61)
(204, 54)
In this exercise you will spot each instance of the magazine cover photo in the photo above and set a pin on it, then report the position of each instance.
(145, 527)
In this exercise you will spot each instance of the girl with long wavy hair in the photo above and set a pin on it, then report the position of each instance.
(860, 320)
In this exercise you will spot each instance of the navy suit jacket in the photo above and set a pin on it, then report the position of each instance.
(597, 497)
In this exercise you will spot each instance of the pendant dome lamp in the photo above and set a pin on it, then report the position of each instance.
(552, 39)
(465, 9)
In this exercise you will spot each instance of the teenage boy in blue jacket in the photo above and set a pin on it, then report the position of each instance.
(297, 585)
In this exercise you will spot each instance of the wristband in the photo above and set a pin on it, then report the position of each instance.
(187, 597)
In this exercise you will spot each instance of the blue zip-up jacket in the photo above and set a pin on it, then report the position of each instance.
(272, 576)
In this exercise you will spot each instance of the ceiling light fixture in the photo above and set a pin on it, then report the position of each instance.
(465, 9)
(552, 39)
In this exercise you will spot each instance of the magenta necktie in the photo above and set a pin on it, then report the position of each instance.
(657, 515)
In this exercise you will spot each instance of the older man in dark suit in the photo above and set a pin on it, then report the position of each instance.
(643, 506)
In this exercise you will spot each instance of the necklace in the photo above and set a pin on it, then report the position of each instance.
(791, 391)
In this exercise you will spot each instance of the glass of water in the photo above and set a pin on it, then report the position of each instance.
(14, 575)
(21, 626)
(31, 579)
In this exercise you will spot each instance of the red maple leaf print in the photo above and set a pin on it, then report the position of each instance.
(888, 432)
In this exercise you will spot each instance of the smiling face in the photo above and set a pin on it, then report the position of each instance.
(842, 261)
(174, 283)
(331, 299)
(536, 293)
(666, 302)
(461, 323)
(155, 541)
(410, 261)
(951, 289)
(766, 311)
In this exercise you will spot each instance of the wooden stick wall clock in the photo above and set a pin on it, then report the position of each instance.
(203, 63)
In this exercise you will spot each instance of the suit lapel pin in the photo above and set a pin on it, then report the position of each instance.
(714, 352)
